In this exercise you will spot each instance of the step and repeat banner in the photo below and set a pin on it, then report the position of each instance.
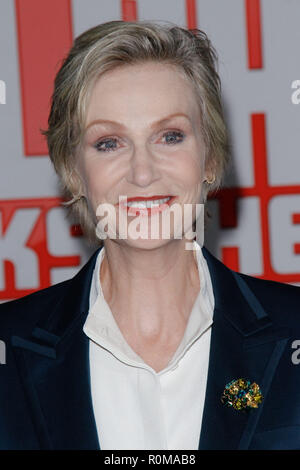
(255, 223)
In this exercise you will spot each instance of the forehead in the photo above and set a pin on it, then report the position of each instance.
(142, 92)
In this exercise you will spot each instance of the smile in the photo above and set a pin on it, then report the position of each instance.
(147, 206)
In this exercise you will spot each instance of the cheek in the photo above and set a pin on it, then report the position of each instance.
(93, 177)
(190, 171)
(100, 179)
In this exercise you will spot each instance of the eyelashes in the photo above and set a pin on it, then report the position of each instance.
(108, 144)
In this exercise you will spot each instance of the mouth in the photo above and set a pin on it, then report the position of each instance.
(146, 205)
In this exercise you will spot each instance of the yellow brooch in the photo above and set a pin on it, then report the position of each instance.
(240, 394)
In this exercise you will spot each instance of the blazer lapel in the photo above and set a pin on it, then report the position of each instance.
(53, 364)
(54, 368)
(244, 344)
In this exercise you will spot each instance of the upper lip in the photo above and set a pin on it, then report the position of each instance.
(148, 198)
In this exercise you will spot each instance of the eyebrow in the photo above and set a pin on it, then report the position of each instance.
(152, 126)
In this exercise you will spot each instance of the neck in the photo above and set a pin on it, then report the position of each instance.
(149, 290)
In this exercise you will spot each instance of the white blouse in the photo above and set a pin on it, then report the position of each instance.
(134, 406)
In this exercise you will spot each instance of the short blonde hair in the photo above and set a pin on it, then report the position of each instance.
(113, 44)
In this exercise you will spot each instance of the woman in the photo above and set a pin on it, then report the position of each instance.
(151, 345)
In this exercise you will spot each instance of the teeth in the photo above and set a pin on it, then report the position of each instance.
(147, 204)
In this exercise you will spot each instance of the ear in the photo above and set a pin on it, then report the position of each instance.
(210, 171)
(77, 181)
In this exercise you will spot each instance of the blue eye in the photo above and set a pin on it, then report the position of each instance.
(110, 145)
(172, 137)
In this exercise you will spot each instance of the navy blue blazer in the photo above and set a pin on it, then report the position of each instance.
(45, 395)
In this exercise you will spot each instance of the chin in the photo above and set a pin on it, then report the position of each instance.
(145, 244)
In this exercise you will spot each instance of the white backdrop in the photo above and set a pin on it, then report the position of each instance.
(255, 226)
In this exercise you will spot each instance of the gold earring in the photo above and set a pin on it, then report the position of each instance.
(74, 199)
(210, 181)
(77, 197)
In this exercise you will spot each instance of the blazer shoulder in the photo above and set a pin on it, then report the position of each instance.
(23, 313)
(280, 300)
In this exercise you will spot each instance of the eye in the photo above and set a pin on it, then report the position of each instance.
(110, 144)
(174, 137)
(106, 145)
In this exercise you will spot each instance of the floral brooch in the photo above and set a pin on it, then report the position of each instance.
(241, 394)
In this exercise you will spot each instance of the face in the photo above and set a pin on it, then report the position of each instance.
(142, 140)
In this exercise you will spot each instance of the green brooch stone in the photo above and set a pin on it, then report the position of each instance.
(241, 394)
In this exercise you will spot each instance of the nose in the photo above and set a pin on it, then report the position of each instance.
(143, 169)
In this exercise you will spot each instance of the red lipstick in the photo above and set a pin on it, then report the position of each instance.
(131, 210)
(148, 198)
